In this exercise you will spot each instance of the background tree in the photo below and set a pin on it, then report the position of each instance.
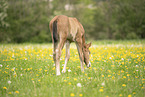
(3, 22)
(27, 20)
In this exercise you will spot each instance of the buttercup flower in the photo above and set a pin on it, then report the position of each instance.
(17, 92)
(5, 88)
(123, 85)
(80, 94)
(72, 94)
(101, 90)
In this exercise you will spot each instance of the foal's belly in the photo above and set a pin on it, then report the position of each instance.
(71, 37)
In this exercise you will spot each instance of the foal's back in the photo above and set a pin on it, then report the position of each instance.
(76, 29)
(62, 25)
(67, 27)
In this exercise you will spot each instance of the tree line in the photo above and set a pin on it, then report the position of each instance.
(28, 20)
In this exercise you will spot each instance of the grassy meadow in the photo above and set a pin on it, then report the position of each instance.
(117, 70)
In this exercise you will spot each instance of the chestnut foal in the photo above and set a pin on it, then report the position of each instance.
(66, 30)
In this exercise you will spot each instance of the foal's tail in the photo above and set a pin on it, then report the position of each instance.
(83, 39)
(55, 34)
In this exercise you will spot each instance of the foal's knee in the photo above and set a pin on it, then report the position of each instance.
(57, 56)
(54, 56)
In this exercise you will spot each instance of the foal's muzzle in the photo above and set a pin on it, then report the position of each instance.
(89, 65)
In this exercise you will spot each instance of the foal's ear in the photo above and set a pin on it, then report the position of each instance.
(89, 44)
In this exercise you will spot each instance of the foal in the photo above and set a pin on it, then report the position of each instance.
(66, 30)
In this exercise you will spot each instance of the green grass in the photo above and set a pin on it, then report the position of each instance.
(118, 69)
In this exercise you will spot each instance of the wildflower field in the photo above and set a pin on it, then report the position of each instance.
(117, 69)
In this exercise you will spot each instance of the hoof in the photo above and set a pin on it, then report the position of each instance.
(58, 74)
(63, 71)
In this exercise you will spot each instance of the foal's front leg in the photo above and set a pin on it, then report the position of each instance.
(67, 56)
(80, 51)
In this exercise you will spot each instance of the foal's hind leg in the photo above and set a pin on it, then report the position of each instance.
(67, 56)
(54, 51)
(58, 55)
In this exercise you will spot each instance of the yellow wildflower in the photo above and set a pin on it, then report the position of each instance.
(134, 93)
(101, 90)
(72, 94)
(75, 79)
(12, 69)
(124, 76)
(69, 83)
(17, 92)
(10, 93)
(5, 88)
(65, 80)
(123, 85)
(109, 75)
(45, 70)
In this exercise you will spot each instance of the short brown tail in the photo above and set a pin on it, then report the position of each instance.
(83, 39)
(55, 34)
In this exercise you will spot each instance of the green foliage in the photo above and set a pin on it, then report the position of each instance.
(3, 13)
(22, 21)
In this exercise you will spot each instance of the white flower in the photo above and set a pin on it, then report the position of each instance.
(1, 65)
(69, 70)
(9, 82)
(136, 65)
(122, 58)
(79, 85)
(103, 84)
(51, 55)
(21, 74)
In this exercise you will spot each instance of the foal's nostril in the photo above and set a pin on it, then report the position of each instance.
(89, 65)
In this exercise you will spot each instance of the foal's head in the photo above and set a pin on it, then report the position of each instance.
(86, 53)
